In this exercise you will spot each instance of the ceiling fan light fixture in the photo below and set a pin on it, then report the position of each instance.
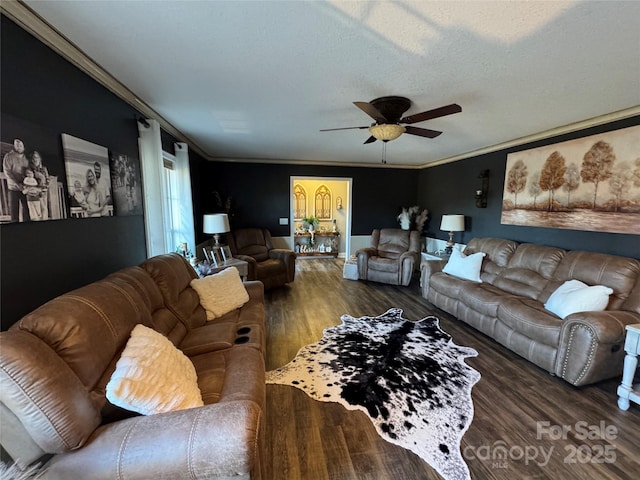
(386, 131)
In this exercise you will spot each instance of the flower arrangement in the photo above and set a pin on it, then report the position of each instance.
(412, 218)
(310, 221)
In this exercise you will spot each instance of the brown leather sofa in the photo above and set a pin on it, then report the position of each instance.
(274, 267)
(56, 361)
(391, 258)
(517, 280)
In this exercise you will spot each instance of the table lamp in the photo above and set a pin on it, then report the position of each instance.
(216, 224)
(451, 223)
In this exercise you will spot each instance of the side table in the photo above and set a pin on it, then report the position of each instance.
(205, 268)
(627, 391)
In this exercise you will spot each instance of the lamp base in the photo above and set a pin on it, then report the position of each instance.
(450, 244)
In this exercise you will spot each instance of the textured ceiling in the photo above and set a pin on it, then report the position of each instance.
(260, 79)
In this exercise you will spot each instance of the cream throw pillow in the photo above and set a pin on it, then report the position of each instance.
(221, 292)
(153, 376)
(464, 266)
(574, 296)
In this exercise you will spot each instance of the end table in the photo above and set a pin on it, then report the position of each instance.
(205, 268)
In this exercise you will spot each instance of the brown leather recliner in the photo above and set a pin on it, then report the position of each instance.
(274, 267)
(391, 258)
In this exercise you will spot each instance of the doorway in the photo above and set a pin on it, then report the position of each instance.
(328, 199)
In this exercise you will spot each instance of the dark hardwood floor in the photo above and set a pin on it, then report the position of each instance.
(520, 410)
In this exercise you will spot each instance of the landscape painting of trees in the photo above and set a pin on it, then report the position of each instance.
(591, 183)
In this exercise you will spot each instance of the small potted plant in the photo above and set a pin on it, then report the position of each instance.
(310, 223)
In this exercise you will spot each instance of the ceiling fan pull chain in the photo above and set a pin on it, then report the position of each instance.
(384, 153)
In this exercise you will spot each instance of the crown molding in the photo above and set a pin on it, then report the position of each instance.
(30, 21)
(39, 28)
(554, 132)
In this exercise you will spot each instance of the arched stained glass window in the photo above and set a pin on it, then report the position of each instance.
(323, 203)
(299, 202)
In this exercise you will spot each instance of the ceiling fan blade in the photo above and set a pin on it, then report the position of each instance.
(372, 111)
(422, 132)
(344, 128)
(371, 139)
(435, 113)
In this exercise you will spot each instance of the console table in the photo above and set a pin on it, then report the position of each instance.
(323, 244)
(627, 391)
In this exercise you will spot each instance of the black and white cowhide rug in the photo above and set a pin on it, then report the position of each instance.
(409, 377)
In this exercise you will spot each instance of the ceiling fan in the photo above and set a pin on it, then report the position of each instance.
(387, 113)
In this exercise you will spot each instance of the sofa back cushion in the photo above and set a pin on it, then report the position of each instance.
(173, 274)
(253, 242)
(619, 273)
(530, 270)
(61, 352)
(497, 252)
(393, 242)
(45, 395)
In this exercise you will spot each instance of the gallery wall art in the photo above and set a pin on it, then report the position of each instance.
(88, 178)
(591, 183)
(125, 184)
(31, 175)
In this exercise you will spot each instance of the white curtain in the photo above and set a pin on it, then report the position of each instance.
(157, 216)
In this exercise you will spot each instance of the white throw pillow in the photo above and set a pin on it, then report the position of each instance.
(464, 266)
(574, 296)
(221, 292)
(153, 376)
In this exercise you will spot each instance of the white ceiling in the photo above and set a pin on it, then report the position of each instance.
(259, 79)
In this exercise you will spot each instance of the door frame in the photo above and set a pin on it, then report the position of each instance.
(347, 233)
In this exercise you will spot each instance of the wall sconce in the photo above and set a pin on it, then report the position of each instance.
(483, 191)
(339, 203)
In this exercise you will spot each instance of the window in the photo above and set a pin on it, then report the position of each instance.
(168, 208)
(299, 202)
(323, 203)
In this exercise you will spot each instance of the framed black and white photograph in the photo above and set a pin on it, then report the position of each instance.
(31, 186)
(88, 178)
(125, 182)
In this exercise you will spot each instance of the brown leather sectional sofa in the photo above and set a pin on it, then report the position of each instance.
(56, 361)
(517, 280)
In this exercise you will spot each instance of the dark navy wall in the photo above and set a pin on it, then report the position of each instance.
(43, 96)
(261, 193)
(449, 189)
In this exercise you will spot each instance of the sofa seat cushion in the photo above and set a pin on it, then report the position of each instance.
(482, 297)
(447, 284)
(529, 317)
(152, 376)
(384, 264)
(232, 374)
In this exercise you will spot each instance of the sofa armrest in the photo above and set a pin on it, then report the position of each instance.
(255, 289)
(214, 441)
(363, 256)
(591, 345)
(428, 268)
(252, 270)
(289, 259)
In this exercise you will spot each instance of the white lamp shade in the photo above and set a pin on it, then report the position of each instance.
(452, 223)
(216, 223)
